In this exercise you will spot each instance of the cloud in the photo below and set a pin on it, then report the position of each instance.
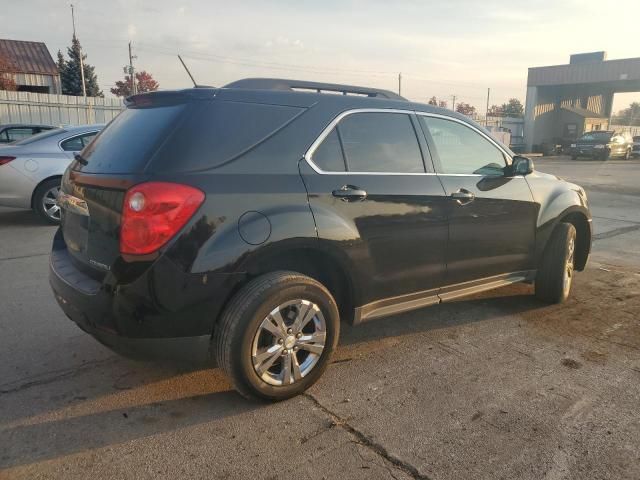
(132, 30)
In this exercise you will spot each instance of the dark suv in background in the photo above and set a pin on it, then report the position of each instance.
(245, 222)
(602, 145)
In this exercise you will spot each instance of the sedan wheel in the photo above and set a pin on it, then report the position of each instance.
(50, 204)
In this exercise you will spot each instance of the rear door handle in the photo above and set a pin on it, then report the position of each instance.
(349, 193)
(463, 196)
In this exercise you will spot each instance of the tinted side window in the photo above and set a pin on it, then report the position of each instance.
(328, 155)
(219, 131)
(72, 145)
(16, 134)
(463, 150)
(125, 145)
(380, 142)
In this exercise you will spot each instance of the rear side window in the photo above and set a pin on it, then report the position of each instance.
(375, 142)
(76, 144)
(328, 155)
(217, 132)
(126, 144)
(17, 134)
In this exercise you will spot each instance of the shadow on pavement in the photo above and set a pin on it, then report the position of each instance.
(10, 217)
(124, 400)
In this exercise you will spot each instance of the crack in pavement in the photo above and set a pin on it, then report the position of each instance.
(615, 232)
(375, 447)
(24, 256)
(52, 376)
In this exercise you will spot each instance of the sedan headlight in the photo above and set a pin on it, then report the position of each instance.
(598, 146)
(573, 145)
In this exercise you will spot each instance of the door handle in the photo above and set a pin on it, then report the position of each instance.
(349, 193)
(463, 196)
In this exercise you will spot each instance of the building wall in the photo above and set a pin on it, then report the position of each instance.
(52, 82)
(28, 107)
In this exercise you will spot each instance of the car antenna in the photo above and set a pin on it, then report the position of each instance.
(188, 72)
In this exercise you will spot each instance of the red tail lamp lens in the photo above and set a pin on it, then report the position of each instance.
(153, 213)
(5, 160)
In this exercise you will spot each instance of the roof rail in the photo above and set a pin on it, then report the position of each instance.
(318, 87)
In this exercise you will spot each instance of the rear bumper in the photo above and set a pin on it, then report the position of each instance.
(148, 318)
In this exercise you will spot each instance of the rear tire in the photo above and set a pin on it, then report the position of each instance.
(555, 274)
(269, 359)
(44, 201)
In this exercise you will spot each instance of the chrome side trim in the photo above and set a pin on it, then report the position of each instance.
(309, 153)
(73, 204)
(413, 301)
(393, 305)
(458, 290)
(327, 130)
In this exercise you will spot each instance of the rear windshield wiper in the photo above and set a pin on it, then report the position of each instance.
(80, 159)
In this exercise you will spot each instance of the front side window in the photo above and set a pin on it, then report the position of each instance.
(462, 150)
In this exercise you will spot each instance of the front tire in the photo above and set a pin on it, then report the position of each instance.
(555, 274)
(276, 336)
(45, 201)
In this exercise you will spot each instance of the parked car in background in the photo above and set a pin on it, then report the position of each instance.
(247, 221)
(602, 145)
(15, 132)
(636, 146)
(31, 169)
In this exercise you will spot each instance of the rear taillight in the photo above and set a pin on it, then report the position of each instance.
(4, 160)
(153, 213)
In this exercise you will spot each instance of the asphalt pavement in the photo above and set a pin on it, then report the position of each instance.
(494, 386)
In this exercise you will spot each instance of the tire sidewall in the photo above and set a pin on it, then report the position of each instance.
(241, 356)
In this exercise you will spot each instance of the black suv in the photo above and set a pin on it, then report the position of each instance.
(602, 145)
(245, 222)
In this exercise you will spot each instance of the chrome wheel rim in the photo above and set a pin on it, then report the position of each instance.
(289, 342)
(50, 203)
(568, 267)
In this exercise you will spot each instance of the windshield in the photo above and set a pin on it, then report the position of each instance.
(39, 136)
(636, 139)
(596, 137)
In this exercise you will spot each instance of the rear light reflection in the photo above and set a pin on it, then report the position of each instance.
(153, 213)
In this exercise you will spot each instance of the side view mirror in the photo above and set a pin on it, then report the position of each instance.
(520, 166)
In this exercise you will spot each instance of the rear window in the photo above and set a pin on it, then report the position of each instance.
(127, 143)
(217, 132)
(40, 136)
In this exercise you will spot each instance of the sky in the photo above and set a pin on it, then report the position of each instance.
(442, 48)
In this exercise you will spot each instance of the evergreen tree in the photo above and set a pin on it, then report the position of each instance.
(70, 73)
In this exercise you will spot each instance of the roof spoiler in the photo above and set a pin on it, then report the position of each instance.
(317, 87)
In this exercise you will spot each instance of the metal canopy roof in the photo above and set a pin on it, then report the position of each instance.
(626, 70)
(28, 57)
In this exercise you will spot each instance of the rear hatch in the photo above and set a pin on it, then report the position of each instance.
(94, 186)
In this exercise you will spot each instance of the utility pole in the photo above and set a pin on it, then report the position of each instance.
(453, 107)
(132, 72)
(486, 115)
(73, 21)
(400, 84)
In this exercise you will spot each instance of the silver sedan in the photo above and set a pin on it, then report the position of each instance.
(31, 169)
